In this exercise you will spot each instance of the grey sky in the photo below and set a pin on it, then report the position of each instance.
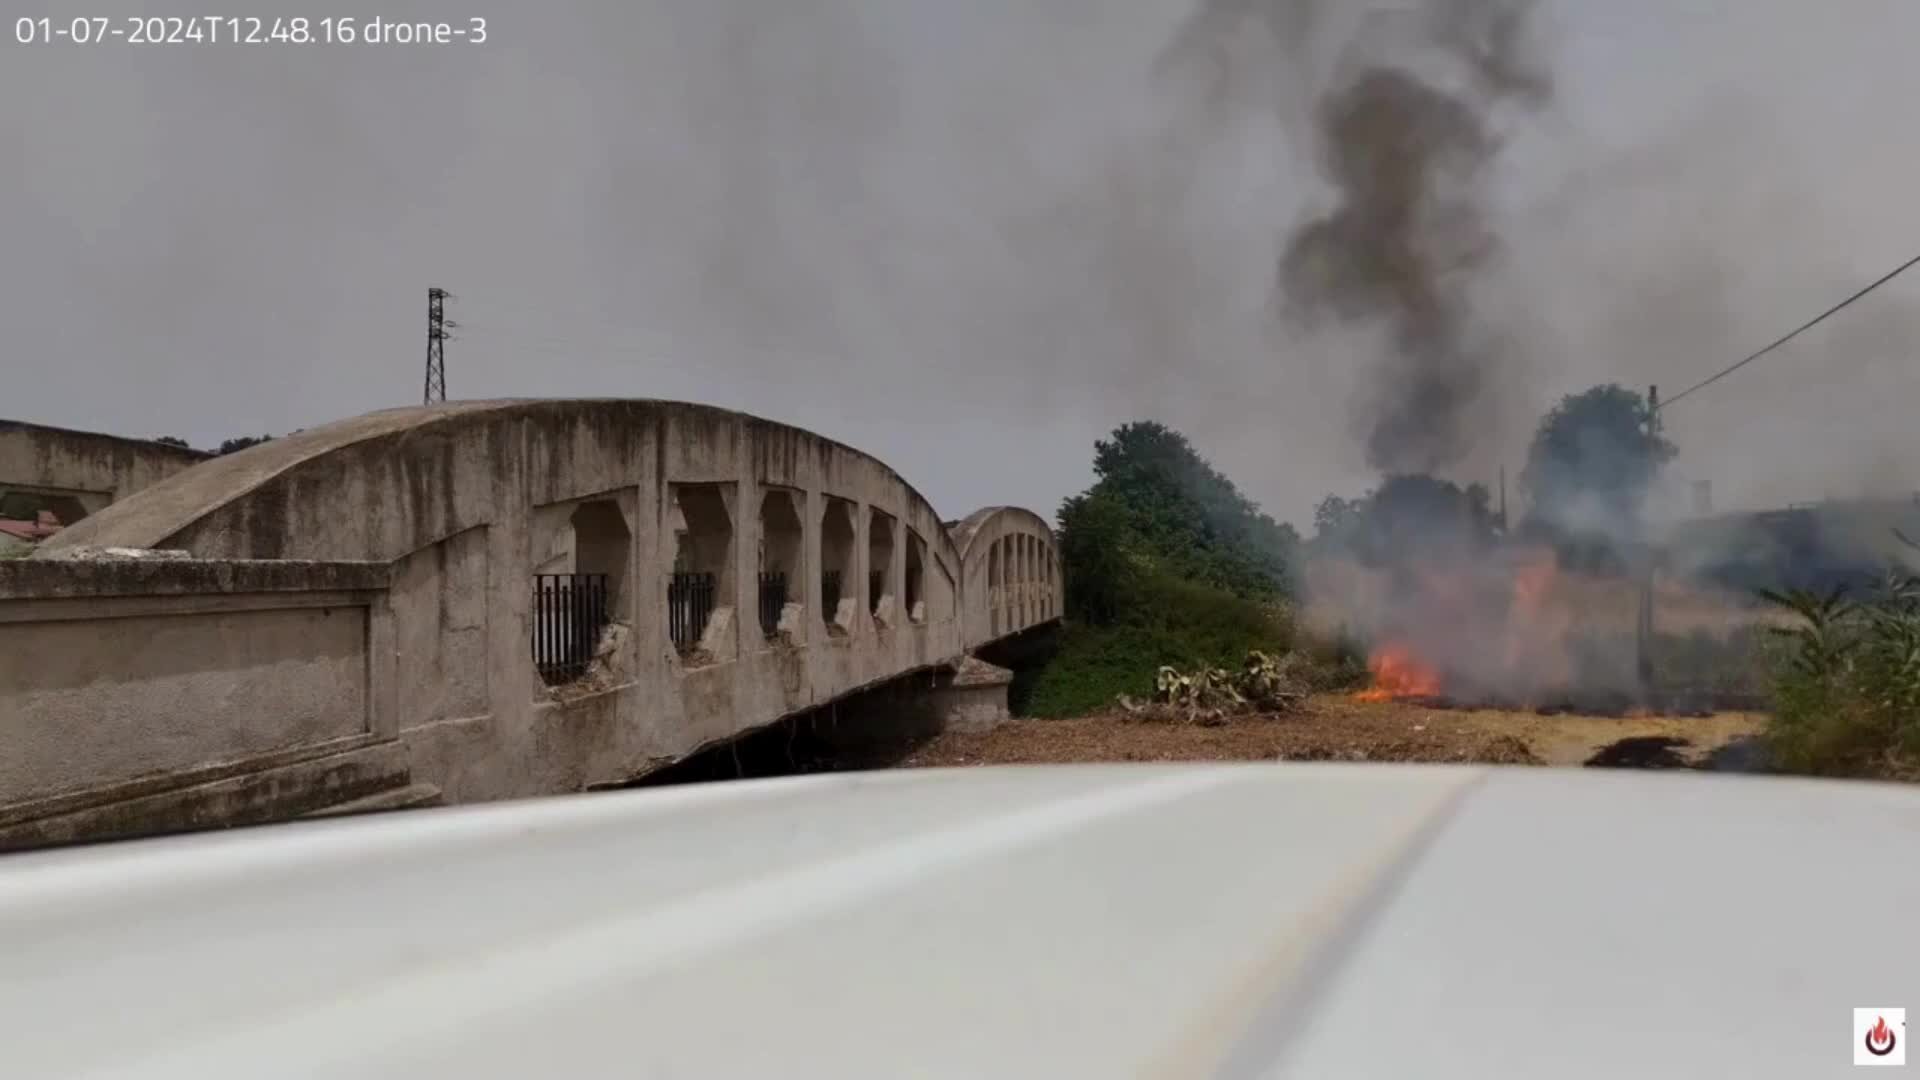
(969, 238)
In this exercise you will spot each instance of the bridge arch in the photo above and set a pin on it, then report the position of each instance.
(648, 509)
(1010, 563)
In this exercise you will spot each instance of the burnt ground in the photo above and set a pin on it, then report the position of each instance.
(1338, 728)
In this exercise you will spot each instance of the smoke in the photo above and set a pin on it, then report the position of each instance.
(973, 238)
(1408, 158)
(1398, 111)
(1403, 119)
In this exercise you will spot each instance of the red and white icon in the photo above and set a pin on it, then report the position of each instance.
(1879, 1036)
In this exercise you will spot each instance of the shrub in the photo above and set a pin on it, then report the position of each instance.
(1166, 564)
(1158, 510)
(1847, 688)
(1171, 622)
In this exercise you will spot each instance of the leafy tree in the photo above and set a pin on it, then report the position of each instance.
(1167, 563)
(1405, 517)
(173, 440)
(1096, 546)
(1337, 522)
(1592, 461)
(1156, 501)
(239, 443)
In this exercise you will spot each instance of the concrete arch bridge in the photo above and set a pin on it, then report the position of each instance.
(474, 601)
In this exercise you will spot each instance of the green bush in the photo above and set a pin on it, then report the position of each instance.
(1182, 623)
(1166, 563)
(1158, 510)
(1847, 688)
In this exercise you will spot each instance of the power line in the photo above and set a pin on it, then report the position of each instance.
(1803, 328)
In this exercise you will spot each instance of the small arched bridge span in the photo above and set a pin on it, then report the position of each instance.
(580, 591)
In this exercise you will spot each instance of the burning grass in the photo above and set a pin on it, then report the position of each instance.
(1397, 672)
(1516, 631)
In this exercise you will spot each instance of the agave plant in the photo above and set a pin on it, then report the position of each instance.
(1824, 638)
(1263, 682)
(1891, 657)
(1266, 681)
(1848, 701)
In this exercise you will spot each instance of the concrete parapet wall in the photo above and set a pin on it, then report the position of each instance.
(117, 672)
(83, 579)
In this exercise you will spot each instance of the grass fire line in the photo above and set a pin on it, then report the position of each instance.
(1515, 629)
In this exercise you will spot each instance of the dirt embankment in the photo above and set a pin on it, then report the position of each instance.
(1338, 728)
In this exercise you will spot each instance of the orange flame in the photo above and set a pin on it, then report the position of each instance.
(1540, 612)
(1881, 1034)
(1532, 582)
(1398, 673)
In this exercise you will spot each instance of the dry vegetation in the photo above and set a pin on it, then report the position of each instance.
(1335, 727)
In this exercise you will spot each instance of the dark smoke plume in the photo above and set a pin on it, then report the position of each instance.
(1408, 159)
(1399, 248)
(1403, 135)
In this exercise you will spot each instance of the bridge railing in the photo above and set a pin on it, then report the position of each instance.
(690, 601)
(569, 615)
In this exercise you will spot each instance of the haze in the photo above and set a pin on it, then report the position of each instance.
(968, 238)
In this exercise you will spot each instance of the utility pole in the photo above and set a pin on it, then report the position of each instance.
(438, 326)
(1643, 631)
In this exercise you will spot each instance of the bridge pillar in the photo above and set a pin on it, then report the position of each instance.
(972, 697)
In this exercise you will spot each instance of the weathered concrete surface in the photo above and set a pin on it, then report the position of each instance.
(112, 700)
(94, 469)
(335, 778)
(457, 507)
(139, 695)
(974, 698)
(50, 579)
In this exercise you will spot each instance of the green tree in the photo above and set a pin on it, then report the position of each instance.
(1337, 521)
(1167, 563)
(1593, 459)
(1406, 516)
(234, 445)
(1096, 547)
(1171, 509)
